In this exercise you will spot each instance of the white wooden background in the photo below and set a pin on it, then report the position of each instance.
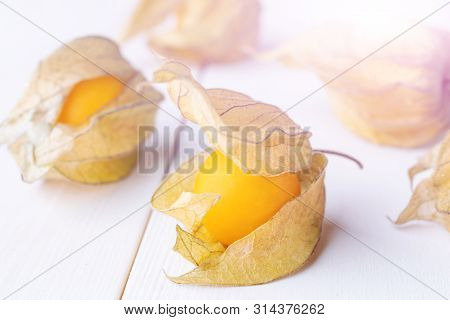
(103, 252)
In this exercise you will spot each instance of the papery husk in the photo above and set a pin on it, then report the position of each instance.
(103, 149)
(274, 145)
(431, 198)
(196, 250)
(399, 95)
(205, 31)
(275, 249)
(148, 14)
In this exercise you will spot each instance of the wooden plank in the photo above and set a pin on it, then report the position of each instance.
(44, 222)
(86, 230)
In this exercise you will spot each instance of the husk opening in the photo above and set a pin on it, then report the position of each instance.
(101, 150)
(275, 249)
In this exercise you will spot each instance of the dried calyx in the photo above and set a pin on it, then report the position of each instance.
(242, 226)
(79, 115)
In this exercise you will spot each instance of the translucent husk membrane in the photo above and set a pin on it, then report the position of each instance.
(389, 92)
(274, 249)
(101, 150)
(204, 31)
(431, 198)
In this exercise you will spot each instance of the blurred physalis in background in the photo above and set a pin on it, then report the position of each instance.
(388, 88)
(203, 32)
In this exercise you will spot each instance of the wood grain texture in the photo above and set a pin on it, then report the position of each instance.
(44, 223)
(47, 221)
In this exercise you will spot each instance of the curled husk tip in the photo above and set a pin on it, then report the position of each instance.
(431, 197)
(101, 150)
(277, 248)
(275, 145)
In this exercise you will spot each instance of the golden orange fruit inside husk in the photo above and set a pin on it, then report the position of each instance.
(247, 201)
(88, 97)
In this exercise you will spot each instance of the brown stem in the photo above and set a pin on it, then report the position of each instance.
(343, 155)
